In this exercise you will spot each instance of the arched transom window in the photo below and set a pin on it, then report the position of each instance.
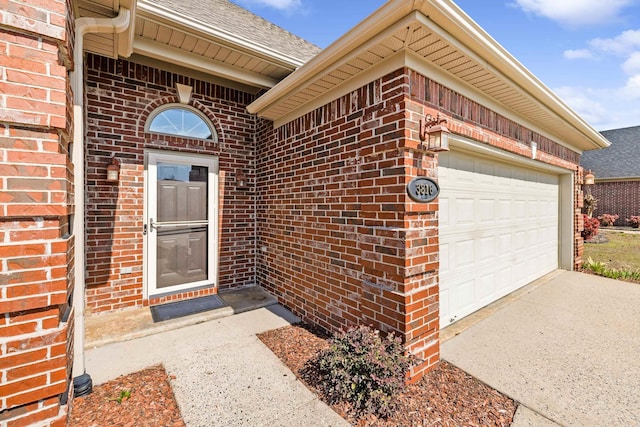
(181, 120)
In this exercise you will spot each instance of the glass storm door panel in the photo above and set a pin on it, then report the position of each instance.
(180, 222)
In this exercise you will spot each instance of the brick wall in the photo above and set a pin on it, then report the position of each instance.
(36, 248)
(620, 198)
(120, 95)
(340, 241)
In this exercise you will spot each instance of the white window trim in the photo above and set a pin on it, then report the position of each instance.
(175, 105)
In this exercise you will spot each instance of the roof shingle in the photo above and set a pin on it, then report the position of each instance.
(224, 15)
(620, 160)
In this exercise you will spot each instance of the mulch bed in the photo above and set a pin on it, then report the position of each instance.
(150, 402)
(446, 396)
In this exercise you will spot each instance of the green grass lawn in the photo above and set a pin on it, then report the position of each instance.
(621, 252)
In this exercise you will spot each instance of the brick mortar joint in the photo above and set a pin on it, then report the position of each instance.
(35, 34)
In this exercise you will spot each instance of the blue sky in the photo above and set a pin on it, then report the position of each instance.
(587, 51)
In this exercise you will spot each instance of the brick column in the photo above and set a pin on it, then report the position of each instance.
(36, 246)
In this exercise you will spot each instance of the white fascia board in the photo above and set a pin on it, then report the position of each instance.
(363, 33)
(470, 34)
(451, 81)
(177, 56)
(437, 74)
(459, 27)
(125, 39)
(175, 19)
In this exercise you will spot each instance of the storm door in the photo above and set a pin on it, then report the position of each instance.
(180, 227)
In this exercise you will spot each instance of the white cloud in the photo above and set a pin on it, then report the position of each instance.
(632, 65)
(582, 100)
(287, 5)
(623, 44)
(632, 88)
(605, 107)
(578, 54)
(575, 12)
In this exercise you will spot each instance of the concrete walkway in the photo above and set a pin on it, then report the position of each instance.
(224, 375)
(568, 351)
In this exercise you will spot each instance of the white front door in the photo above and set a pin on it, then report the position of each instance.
(181, 221)
(498, 225)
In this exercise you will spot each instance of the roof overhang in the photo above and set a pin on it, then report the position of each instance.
(168, 36)
(436, 38)
(110, 45)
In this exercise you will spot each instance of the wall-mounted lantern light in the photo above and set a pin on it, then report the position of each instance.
(241, 179)
(113, 170)
(590, 202)
(589, 178)
(435, 133)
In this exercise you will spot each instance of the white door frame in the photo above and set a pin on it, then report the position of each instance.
(151, 158)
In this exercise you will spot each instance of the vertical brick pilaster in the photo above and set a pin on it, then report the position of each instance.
(36, 248)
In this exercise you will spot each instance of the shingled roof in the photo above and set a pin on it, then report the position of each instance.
(229, 17)
(621, 159)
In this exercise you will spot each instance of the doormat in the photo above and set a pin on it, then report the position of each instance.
(174, 310)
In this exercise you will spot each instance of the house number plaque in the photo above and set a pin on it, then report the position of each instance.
(423, 190)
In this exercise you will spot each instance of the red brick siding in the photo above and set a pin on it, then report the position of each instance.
(36, 249)
(578, 223)
(620, 198)
(340, 241)
(120, 95)
(339, 234)
(468, 118)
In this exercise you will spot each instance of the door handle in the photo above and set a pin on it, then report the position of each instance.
(152, 225)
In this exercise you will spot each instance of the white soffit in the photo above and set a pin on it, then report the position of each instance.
(442, 37)
(165, 35)
(171, 37)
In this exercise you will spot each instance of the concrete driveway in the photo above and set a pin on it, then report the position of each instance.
(568, 351)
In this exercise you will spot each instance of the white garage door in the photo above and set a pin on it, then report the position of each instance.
(498, 230)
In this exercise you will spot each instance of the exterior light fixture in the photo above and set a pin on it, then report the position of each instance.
(590, 202)
(113, 170)
(589, 178)
(435, 133)
(241, 179)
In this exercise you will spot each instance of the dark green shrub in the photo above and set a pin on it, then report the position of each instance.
(363, 369)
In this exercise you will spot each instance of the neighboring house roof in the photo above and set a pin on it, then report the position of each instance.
(620, 160)
(439, 40)
(229, 17)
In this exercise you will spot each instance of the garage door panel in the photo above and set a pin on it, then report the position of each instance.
(464, 254)
(443, 212)
(464, 295)
(498, 230)
(486, 287)
(444, 258)
(464, 211)
(487, 208)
